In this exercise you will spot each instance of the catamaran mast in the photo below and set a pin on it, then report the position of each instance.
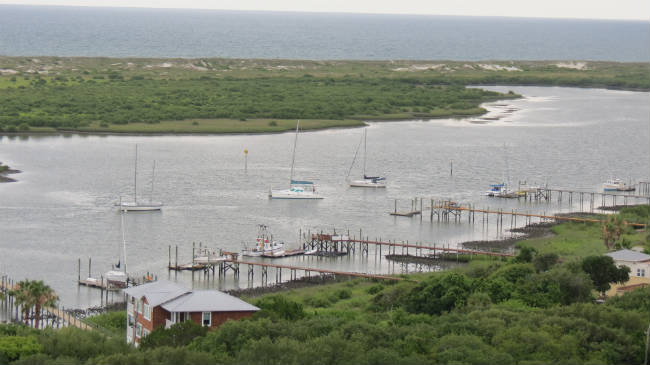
(293, 157)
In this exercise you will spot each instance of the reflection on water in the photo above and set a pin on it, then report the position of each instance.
(61, 208)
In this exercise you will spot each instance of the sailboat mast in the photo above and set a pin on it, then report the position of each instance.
(123, 240)
(135, 177)
(293, 157)
(153, 176)
(365, 151)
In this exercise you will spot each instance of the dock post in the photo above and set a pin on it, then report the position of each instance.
(421, 209)
(169, 257)
(395, 206)
(78, 270)
(176, 262)
(89, 261)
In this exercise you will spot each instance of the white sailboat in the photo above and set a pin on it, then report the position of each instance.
(136, 205)
(367, 181)
(298, 189)
(118, 278)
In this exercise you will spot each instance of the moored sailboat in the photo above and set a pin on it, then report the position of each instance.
(136, 205)
(367, 181)
(298, 189)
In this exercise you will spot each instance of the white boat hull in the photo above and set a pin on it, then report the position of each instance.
(367, 184)
(126, 207)
(288, 194)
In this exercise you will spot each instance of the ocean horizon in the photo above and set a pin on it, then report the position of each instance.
(68, 31)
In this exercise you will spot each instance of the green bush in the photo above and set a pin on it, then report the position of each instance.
(375, 289)
(14, 347)
(111, 320)
(440, 293)
(280, 307)
(179, 334)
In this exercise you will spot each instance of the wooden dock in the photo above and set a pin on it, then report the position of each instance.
(433, 248)
(446, 210)
(307, 271)
(471, 210)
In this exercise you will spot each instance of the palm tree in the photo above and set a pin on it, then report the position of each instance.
(33, 294)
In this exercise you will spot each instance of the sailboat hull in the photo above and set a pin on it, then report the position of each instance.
(288, 194)
(124, 207)
(367, 184)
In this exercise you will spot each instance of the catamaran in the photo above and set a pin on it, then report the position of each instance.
(136, 205)
(367, 181)
(298, 189)
(264, 244)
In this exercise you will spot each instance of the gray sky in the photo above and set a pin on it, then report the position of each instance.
(594, 9)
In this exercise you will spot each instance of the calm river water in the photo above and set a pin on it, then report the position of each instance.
(61, 209)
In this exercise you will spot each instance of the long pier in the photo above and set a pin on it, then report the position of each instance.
(345, 244)
(446, 209)
(433, 248)
(294, 269)
(531, 215)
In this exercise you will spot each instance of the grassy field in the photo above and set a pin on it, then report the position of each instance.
(48, 94)
(572, 241)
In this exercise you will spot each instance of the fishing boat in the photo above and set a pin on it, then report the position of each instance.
(136, 205)
(367, 181)
(264, 244)
(298, 189)
(617, 185)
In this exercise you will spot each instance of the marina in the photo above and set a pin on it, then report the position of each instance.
(214, 195)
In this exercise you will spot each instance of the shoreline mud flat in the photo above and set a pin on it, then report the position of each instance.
(6, 170)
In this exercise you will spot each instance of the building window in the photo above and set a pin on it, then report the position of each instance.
(640, 272)
(138, 330)
(207, 319)
(145, 332)
(147, 312)
(130, 320)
